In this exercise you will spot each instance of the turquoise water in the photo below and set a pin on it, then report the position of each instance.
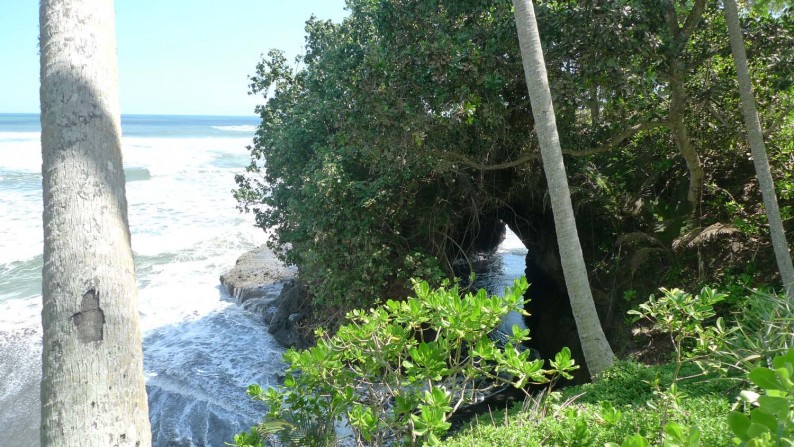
(200, 349)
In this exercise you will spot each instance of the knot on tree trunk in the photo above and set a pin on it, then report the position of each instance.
(91, 319)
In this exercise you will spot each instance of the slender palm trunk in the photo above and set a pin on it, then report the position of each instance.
(597, 352)
(756, 139)
(92, 390)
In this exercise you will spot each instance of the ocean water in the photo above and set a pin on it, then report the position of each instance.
(201, 350)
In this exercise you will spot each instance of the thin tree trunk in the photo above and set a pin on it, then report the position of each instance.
(595, 107)
(678, 96)
(682, 139)
(756, 139)
(93, 389)
(597, 352)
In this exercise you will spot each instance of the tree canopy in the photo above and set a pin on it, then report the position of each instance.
(404, 132)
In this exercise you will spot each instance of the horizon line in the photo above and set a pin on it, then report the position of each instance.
(253, 115)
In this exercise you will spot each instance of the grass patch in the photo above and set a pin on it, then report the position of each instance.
(627, 400)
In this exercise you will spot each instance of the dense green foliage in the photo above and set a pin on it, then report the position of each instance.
(351, 182)
(397, 372)
(406, 129)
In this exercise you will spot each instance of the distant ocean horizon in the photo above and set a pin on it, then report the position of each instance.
(145, 124)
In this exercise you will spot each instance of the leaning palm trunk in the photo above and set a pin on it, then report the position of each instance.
(597, 352)
(92, 389)
(757, 148)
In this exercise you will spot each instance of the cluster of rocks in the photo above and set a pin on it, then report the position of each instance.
(263, 285)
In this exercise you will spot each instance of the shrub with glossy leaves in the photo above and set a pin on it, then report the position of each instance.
(397, 372)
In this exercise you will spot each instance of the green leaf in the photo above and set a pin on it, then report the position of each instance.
(756, 430)
(786, 360)
(676, 437)
(674, 431)
(766, 378)
(776, 406)
(768, 421)
(634, 440)
(739, 423)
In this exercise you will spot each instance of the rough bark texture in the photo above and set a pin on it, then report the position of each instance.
(93, 389)
(756, 139)
(597, 352)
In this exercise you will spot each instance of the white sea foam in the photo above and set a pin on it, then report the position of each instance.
(20, 155)
(186, 231)
(236, 128)
(512, 244)
(19, 136)
(21, 233)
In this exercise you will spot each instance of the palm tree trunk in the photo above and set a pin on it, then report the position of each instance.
(92, 389)
(757, 148)
(597, 352)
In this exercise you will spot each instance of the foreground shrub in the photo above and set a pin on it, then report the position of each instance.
(396, 373)
(760, 330)
(770, 421)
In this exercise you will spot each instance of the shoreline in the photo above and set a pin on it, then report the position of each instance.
(262, 285)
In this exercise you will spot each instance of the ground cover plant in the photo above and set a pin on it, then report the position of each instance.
(729, 380)
(625, 402)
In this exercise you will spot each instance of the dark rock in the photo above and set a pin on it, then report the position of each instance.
(265, 306)
(285, 322)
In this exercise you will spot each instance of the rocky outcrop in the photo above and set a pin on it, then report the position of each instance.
(254, 273)
(263, 285)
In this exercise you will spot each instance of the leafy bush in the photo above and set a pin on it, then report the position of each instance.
(771, 419)
(761, 329)
(397, 372)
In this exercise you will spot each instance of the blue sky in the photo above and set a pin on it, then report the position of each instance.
(176, 57)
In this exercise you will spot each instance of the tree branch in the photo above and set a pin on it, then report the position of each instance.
(671, 18)
(777, 122)
(482, 167)
(692, 19)
(616, 140)
(628, 133)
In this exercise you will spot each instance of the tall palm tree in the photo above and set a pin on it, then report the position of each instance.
(757, 148)
(92, 389)
(597, 352)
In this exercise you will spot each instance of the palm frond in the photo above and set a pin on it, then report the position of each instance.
(699, 236)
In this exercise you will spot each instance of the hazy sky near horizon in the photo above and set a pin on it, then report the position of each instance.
(176, 57)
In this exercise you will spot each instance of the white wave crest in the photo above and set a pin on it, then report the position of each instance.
(236, 128)
(20, 136)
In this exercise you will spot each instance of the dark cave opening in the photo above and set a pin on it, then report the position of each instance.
(551, 322)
